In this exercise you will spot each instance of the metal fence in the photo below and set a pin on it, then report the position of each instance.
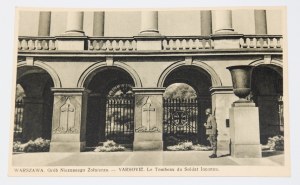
(120, 119)
(18, 123)
(180, 121)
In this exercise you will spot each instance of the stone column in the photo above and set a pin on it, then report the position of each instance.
(148, 119)
(75, 23)
(44, 24)
(206, 22)
(69, 120)
(222, 98)
(99, 20)
(224, 36)
(223, 21)
(260, 22)
(149, 23)
(33, 118)
(74, 37)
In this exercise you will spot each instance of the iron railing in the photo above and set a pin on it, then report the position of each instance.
(120, 119)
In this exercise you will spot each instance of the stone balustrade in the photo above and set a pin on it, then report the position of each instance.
(111, 44)
(169, 43)
(187, 43)
(261, 41)
(37, 43)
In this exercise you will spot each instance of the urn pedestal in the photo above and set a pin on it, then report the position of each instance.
(243, 116)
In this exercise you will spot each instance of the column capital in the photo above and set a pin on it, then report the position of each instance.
(221, 90)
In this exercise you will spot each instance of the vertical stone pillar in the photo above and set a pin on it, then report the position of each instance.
(222, 98)
(148, 119)
(44, 24)
(33, 118)
(149, 23)
(206, 22)
(75, 23)
(260, 22)
(69, 120)
(223, 21)
(99, 20)
(244, 130)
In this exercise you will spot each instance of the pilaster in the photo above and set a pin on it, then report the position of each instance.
(148, 119)
(69, 120)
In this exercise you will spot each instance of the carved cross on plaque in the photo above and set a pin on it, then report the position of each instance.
(67, 116)
(148, 115)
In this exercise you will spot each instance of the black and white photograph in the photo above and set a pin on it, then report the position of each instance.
(150, 92)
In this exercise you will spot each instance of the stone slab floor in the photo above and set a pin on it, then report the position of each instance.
(166, 158)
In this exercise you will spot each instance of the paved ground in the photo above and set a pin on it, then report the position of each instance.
(166, 158)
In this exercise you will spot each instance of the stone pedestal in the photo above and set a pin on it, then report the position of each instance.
(149, 42)
(244, 131)
(69, 120)
(227, 41)
(148, 119)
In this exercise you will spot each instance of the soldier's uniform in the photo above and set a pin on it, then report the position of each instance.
(212, 132)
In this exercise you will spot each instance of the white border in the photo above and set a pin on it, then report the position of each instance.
(6, 49)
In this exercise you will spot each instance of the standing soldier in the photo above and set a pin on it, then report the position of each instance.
(211, 131)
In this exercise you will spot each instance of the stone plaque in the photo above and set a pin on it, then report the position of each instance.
(67, 118)
(148, 115)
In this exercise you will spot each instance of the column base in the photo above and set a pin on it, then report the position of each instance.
(67, 146)
(148, 141)
(246, 151)
(147, 146)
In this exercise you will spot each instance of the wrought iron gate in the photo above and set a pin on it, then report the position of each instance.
(120, 119)
(18, 126)
(180, 121)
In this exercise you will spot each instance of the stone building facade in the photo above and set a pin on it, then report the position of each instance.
(67, 76)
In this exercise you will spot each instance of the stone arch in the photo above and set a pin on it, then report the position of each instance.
(274, 64)
(267, 93)
(88, 74)
(47, 68)
(215, 79)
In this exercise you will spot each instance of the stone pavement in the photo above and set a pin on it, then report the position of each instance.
(166, 158)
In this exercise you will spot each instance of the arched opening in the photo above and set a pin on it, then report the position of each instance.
(110, 111)
(267, 93)
(185, 100)
(34, 104)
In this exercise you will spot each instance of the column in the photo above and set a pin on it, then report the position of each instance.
(74, 37)
(148, 119)
(98, 29)
(44, 24)
(260, 22)
(206, 22)
(223, 21)
(75, 23)
(33, 118)
(69, 120)
(149, 23)
(222, 98)
(224, 36)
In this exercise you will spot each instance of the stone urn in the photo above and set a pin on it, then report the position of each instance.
(241, 80)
